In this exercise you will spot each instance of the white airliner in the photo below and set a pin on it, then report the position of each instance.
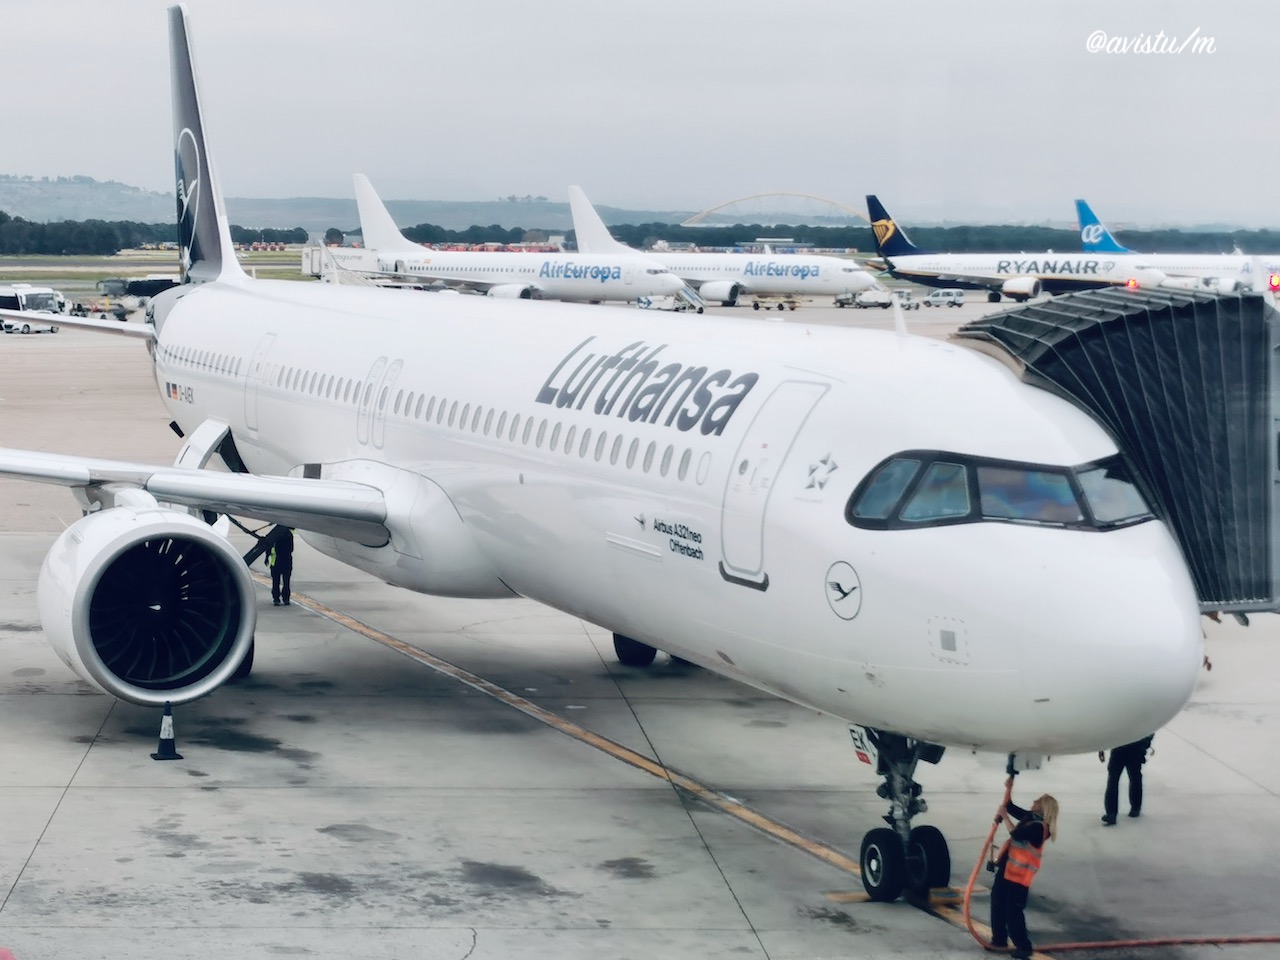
(724, 277)
(1021, 276)
(520, 276)
(1225, 273)
(893, 530)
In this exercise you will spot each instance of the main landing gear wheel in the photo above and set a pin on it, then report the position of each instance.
(884, 865)
(632, 653)
(928, 860)
(900, 857)
(246, 665)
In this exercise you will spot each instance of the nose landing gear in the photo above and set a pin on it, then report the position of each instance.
(899, 857)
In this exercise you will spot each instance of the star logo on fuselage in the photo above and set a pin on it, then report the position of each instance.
(820, 473)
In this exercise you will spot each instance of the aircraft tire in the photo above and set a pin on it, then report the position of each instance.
(884, 865)
(246, 665)
(632, 653)
(928, 859)
(756, 305)
(26, 328)
(993, 297)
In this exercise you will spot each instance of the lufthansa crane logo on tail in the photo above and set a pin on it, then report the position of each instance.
(187, 159)
(884, 229)
(844, 590)
(1091, 233)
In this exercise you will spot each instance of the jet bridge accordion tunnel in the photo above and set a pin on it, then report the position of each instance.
(1185, 382)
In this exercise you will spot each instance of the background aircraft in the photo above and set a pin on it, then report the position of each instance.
(937, 573)
(523, 276)
(724, 277)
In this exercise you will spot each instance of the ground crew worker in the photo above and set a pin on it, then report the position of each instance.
(1126, 759)
(280, 562)
(1017, 867)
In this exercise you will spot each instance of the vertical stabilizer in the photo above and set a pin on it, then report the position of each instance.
(376, 226)
(1094, 235)
(891, 239)
(203, 234)
(593, 236)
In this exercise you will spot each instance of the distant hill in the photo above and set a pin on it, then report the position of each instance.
(83, 198)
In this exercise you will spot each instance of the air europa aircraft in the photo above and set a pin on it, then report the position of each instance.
(893, 530)
(518, 276)
(724, 277)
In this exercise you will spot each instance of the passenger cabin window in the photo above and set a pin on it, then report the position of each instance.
(930, 488)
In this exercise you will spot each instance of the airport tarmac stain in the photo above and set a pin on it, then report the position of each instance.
(630, 868)
(357, 832)
(507, 879)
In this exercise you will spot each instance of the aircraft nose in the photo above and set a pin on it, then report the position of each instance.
(671, 284)
(1137, 640)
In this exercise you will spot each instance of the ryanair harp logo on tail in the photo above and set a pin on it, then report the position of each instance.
(884, 229)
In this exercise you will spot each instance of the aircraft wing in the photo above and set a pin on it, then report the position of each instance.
(143, 331)
(337, 508)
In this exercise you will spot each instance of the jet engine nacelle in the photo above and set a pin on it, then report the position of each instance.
(722, 291)
(1225, 285)
(147, 604)
(1021, 288)
(512, 291)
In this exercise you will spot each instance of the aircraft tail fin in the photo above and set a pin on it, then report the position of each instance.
(1094, 236)
(204, 235)
(593, 236)
(891, 239)
(376, 226)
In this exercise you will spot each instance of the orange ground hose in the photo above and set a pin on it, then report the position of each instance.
(985, 943)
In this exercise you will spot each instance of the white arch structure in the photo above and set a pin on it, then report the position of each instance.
(698, 218)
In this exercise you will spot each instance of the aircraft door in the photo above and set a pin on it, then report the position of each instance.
(752, 473)
(383, 399)
(628, 274)
(253, 379)
(368, 397)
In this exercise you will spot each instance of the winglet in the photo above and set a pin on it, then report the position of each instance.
(891, 239)
(593, 236)
(1094, 236)
(203, 233)
(376, 226)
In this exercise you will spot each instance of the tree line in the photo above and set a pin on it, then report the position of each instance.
(949, 239)
(106, 237)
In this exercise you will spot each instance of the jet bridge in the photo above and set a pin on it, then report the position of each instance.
(1187, 384)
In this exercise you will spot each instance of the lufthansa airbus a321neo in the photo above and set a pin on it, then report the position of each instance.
(893, 530)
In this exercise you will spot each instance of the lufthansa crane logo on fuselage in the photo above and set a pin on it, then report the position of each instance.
(844, 590)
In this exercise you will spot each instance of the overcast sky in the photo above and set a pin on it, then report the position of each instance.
(948, 109)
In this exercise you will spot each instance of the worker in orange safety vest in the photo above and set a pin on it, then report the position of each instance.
(1016, 868)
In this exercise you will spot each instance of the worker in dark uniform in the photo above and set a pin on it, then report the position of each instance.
(1016, 868)
(1126, 759)
(280, 561)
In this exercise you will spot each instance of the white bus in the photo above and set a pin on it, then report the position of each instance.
(43, 303)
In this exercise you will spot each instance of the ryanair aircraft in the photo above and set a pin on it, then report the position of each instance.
(892, 530)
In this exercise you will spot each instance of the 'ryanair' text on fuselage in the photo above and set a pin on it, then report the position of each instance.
(634, 383)
(1054, 267)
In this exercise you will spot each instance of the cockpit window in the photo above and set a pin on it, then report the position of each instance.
(941, 494)
(885, 489)
(1015, 493)
(919, 488)
(1110, 494)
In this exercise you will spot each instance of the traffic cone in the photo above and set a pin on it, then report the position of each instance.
(166, 749)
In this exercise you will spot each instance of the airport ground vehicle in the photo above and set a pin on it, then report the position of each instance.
(43, 303)
(781, 302)
(948, 297)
